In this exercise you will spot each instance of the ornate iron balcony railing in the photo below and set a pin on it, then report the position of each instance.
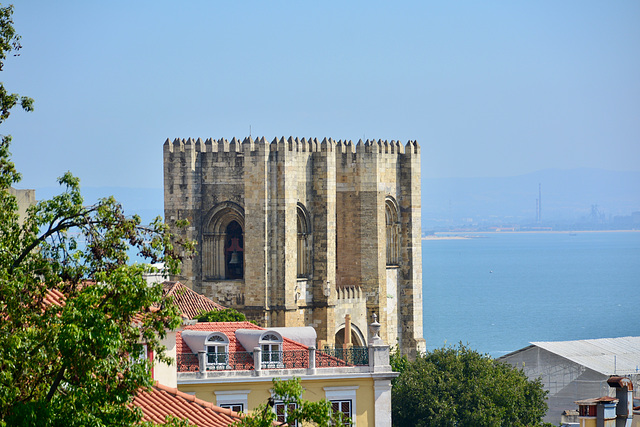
(236, 361)
(358, 356)
(295, 359)
(291, 359)
(187, 362)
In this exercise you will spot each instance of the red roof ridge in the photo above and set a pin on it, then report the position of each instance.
(242, 324)
(158, 401)
(189, 302)
(296, 343)
(194, 399)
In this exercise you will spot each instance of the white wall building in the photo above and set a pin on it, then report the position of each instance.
(576, 370)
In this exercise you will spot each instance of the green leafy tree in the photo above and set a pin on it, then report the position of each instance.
(9, 42)
(298, 410)
(224, 315)
(457, 386)
(397, 360)
(73, 310)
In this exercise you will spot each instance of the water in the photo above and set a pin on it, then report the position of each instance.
(501, 292)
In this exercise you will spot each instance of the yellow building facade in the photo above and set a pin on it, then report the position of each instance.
(360, 392)
(213, 364)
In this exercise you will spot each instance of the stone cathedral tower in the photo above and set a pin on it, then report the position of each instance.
(299, 232)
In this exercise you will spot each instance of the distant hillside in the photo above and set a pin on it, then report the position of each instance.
(566, 195)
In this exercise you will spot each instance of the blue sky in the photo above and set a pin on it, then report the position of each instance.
(487, 88)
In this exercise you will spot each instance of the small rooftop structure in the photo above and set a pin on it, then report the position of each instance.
(576, 370)
(237, 346)
(608, 410)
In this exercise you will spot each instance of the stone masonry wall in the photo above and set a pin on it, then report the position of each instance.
(343, 187)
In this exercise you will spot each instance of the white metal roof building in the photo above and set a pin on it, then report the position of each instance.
(575, 370)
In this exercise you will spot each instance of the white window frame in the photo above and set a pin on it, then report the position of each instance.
(342, 394)
(236, 407)
(340, 403)
(286, 410)
(221, 342)
(233, 397)
(268, 346)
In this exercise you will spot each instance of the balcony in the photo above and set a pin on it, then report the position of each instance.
(291, 359)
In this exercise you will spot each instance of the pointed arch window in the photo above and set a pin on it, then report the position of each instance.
(303, 243)
(223, 243)
(392, 232)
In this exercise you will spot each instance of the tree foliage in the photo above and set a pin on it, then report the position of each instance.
(9, 42)
(457, 386)
(224, 315)
(69, 362)
(298, 410)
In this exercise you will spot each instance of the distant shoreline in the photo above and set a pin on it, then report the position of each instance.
(434, 237)
(449, 235)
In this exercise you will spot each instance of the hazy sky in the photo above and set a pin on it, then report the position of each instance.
(487, 88)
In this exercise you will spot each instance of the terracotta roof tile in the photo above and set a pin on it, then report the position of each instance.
(227, 328)
(54, 297)
(189, 301)
(160, 401)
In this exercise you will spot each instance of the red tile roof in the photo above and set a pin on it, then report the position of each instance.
(227, 328)
(57, 298)
(189, 301)
(160, 401)
(54, 297)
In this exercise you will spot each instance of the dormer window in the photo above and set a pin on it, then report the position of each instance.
(217, 346)
(271, 345)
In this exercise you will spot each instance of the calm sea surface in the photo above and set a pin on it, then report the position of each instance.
(499, 292)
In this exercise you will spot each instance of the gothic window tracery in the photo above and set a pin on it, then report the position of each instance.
(392, 232)
(303, 242)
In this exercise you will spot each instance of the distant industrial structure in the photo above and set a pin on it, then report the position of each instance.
(539, 204)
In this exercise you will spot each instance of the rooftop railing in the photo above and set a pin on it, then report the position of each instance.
(357, 356)
(236, 361)
(289, 359)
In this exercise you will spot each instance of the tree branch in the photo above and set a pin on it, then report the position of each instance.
(56, 383)
(64, 224)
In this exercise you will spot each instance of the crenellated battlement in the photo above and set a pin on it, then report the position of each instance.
(349, 292)
(300, 145)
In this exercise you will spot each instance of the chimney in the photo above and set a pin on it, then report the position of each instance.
(624, 394)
